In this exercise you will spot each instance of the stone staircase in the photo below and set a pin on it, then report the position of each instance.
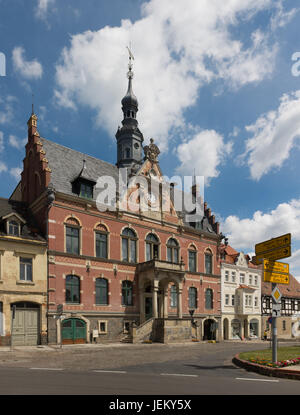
(143, 332)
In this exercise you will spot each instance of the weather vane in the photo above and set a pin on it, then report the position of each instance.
(131, 57)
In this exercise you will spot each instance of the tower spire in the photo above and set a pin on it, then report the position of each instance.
(129, 137)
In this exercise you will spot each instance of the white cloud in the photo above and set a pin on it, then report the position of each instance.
(16, 142)
(281, 17)
(1, 142)
(16, 172)
(6, 109)
(3, 167)
(205, 151)
(274, 133)
(245, 233)
(179, 46)
(27, 69)
(43, 7)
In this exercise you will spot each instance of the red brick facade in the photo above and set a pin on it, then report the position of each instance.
(53, 218)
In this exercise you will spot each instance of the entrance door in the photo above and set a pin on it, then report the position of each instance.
(73, 331)
(148, 307)
(25, 328)
(209, 330)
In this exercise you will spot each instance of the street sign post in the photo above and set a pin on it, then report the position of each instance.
(267, 253)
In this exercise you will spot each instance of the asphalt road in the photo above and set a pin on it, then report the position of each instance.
(158, 370)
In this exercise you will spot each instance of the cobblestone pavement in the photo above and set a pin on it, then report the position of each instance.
(116, 355)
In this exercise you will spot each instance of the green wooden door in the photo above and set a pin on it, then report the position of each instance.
(73, 331)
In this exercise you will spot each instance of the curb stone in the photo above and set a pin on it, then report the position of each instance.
(266, 371)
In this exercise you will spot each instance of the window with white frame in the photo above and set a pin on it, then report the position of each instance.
(102, 325)
(242, 278)
(232, 299)
(226, 299)
(233, 276)
(226, 276)
(250, 279)
(255, 280)
(255, 301)
(25, 269)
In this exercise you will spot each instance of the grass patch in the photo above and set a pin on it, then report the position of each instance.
(283, 353)
(286, 356)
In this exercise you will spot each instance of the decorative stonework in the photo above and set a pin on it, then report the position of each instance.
(151, 151)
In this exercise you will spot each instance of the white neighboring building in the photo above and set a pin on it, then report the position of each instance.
(240, 295)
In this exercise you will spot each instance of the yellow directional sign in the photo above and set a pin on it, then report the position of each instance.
(273, 244)
(273, 255)
(275, 266)
(276, 278)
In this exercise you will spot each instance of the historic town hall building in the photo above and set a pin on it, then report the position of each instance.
(146, 272)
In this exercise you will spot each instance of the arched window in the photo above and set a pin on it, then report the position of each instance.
(101, 291)
(152, 247)
(172, 251)
(209, 299)
(192, 259)
(72, 289)
(129, 245)
(72, 236)
(192, 297)
(173, 296)
(127, 291)
(208, 262)
(101, 236)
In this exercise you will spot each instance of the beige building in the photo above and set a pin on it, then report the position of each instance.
(288, 324)
(23, 277)
(241, 295)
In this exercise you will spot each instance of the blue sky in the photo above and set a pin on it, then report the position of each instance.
(215, 88)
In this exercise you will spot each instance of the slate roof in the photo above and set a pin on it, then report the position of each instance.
(66, 165)
(30, 229)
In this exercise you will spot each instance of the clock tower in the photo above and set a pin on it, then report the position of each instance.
(129, 137)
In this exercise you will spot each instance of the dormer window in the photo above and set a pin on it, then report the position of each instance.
(86, 190)
(13, 228)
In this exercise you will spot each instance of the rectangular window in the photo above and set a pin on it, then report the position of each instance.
(250, 279)
(101, 245)
(233, 276)
(232, 299)
(226, 299)
(226, 276)
(255, 301)
(72, 240)
(102, 327)
(86, 191)
(283, 325)
(255, 280)
(242, 278)
(25, 269)
(192, 261)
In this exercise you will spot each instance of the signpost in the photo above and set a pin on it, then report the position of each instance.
(267, 253)
(277, 272)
